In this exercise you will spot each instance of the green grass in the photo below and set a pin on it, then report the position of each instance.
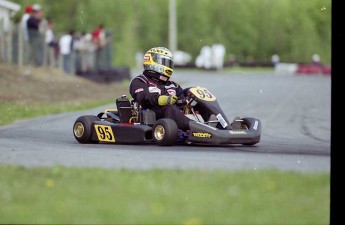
(61, 195)
(14, 111)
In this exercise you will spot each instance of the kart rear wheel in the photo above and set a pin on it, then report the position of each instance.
(165, 132)
(82, 129)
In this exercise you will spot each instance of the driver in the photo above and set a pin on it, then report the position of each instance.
(154, 90)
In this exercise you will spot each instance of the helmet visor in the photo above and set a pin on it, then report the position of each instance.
(163, 60)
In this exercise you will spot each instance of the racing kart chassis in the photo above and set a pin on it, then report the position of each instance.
(130, 124)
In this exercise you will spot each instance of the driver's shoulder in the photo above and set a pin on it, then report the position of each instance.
(170, 82)
(139, 79)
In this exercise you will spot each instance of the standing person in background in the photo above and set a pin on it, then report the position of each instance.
(98, 36)
(42, 47)
(50, 44)
(24, 20)
(275, 59)
(76, 57)
(85, 45)
(90, 55)
(98, 39)
(315, 59)
(33, 24)
(66, 48)
(24, 27)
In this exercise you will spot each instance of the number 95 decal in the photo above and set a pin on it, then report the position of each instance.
(104, 133)
(203, 94)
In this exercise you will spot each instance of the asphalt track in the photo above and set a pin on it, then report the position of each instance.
(295, 112)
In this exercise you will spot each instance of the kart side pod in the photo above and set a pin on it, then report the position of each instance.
(203, 133)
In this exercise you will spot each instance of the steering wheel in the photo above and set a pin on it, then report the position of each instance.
(182, 92)
(182, 97)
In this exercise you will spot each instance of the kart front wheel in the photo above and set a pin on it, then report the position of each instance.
(82, 129)
(165, 132)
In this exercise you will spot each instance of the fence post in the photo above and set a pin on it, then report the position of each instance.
(2, 37)
(20, 46)
(8, 42)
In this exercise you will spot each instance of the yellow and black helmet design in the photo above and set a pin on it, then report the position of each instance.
(160, 60)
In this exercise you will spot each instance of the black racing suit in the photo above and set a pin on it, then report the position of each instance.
(146, 90)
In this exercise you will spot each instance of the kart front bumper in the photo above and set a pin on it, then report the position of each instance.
(203, 133)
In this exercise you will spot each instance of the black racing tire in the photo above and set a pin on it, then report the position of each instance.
(82, 129)
(165, 132)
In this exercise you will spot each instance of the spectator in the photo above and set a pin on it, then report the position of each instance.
(24, 27)
(33, 34)
(51, 44)
(316, 60)
(66, 47)
(24, 20)
(86, 49)
(90, 58)
(98, 36)
(98, 39)
(76, 52)
(275, 59)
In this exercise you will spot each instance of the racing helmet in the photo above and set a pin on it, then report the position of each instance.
(161, 61)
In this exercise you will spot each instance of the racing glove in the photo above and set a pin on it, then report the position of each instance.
(167, 100)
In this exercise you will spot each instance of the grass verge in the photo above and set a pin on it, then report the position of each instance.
(61, 195)
(46, 91)
(13, 111)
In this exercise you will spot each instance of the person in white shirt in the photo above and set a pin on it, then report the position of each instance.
(50, 44)
(66, 46)
(86, 50)
(24, 19)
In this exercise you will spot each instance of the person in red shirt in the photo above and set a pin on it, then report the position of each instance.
(98, 36)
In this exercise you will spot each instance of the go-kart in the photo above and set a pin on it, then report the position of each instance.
(129, 123)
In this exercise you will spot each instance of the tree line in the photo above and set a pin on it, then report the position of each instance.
(293, 29)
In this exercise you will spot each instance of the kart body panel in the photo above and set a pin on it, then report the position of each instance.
(125, 133)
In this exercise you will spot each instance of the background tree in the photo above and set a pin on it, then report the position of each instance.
(258, 28)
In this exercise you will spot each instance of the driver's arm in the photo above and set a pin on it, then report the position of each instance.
(140, 93)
